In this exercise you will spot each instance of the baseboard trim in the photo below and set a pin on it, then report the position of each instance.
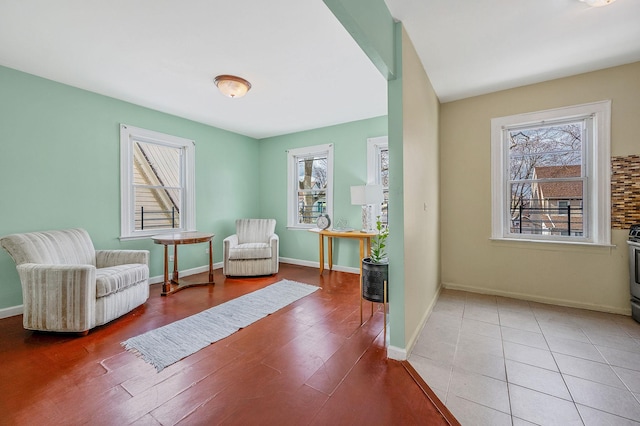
(396, 353)
(540, 299)
(313, 264)
(11, 311)
(402, 354)
(425, 317)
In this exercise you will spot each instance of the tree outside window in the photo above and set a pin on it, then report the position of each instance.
(312, 188)
(547, 179)
(310, 185)
(378, 172)
(551, 175)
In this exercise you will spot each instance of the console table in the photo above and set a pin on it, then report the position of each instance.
(173, 285)
(363, 237)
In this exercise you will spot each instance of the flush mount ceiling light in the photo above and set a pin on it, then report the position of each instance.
(232, 86)
(597, 3)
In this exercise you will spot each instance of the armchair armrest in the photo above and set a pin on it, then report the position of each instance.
(106, 258)
(230, 241)
(69, 292)
(227, 243)
(274, 241)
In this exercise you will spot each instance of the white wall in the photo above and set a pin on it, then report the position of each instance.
(589, 277)
(421, 192)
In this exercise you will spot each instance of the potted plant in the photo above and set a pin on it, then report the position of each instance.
(375, 268)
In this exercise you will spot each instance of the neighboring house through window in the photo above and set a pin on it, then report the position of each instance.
(378, 171)
(558, 196)
(550, 173)
(310, 185)
(157, 182)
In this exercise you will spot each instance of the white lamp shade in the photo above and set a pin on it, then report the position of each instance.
(366, 194)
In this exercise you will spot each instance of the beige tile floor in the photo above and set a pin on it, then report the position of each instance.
(499, 361)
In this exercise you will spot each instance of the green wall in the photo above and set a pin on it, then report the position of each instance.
(350, 168)
(60, 167)
(396, 200)
(372, 27)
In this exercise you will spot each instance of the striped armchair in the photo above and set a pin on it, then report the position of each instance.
(69, 286)
(252, 250)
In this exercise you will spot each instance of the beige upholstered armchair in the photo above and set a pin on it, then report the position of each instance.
(252, 250)
(69, 286)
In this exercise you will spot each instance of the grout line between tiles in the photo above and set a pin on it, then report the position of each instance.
(549, 318)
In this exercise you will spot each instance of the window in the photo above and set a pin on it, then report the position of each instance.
(378, 172)
(310, 185)
(157, 183)
(550, 175)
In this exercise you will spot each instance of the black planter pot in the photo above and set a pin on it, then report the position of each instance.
(373, 277)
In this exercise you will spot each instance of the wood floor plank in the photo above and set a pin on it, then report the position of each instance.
(312, 362)
(336, 368)
(374, 393)
(226, 387)
(199, 366)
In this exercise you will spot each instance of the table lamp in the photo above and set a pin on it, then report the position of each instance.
(367, 196)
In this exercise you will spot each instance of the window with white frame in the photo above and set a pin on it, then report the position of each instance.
(157, 175)
(310, 185)
(378, 172)
(551, 175)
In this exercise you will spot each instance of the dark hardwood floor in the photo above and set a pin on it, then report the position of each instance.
(309, 363)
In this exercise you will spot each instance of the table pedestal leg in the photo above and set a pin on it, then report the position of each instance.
(361, 254)
(166, 285)
(321, 254)
(384, 306)
(175, 263)
(210, 262)
(361, 294)
(172, 282)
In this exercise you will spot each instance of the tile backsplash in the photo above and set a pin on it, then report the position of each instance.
(625, 191)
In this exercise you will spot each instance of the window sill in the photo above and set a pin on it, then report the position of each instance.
(134, 237)
(150, 234)
(300, 228)
(551, 244)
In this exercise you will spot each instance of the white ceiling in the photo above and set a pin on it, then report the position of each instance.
(473, 47)
(305, 69)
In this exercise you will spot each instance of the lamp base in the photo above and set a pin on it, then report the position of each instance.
(368, 219)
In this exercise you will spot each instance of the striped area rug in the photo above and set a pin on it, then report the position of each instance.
(168, 344)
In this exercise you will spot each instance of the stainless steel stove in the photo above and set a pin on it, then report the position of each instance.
(634, 270)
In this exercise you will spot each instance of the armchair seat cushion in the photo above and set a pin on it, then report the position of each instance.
(250, 251)
(117, 278)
